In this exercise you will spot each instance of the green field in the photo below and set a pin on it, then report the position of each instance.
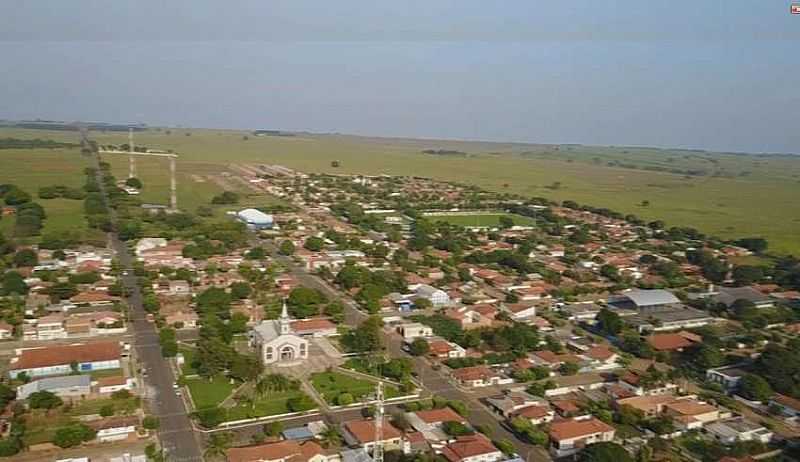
(737, 195)
(331, 384)
(207, 394)
(31, 169)
(491, 220)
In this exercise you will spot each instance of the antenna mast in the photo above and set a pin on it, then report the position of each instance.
(377, 451)
(132, 172)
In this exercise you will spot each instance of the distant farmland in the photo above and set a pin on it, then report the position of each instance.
(725, 194)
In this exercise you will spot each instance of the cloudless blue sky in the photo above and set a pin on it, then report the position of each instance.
(709, 74)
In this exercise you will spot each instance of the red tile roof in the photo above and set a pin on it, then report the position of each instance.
(599, 353)
(571, 429)
(291, 450)
(312, 325)
(364, 430)
(668, 342)
(444, 414)
(472, 373)
(53, 356)
(533, 412)
(468, 446)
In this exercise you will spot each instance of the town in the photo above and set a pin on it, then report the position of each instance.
(380, 318)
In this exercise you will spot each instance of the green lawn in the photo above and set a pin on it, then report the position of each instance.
(273, 404)
(40, 427)
(207, 393)
(489, 219)
(331, 384)
(99, 374)
(189, 354)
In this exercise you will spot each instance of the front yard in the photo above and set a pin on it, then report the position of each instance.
(333, 384)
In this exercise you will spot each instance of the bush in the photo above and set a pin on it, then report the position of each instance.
(151, 423)
(344, 399)
(210, 417)
(73, 435)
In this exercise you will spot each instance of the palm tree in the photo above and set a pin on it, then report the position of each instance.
(331, 437)
(262, 387)
(217, 445)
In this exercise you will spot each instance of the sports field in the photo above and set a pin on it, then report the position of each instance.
(725, 194)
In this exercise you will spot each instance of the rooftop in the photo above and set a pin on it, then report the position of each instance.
(576, 428)
(53, 356)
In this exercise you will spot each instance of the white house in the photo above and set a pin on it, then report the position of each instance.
(738, 429)
(115, 428)
(437, 297)
(413, 330)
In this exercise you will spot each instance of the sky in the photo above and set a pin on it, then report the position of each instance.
(719, 75)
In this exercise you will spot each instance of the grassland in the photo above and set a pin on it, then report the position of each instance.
(31, 169)
(208, 394)
(737, 195)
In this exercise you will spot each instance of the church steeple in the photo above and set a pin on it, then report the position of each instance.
(285, 328)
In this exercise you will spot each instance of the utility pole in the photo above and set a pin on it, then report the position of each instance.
(173, 196)
(377, 451)
(132, 172)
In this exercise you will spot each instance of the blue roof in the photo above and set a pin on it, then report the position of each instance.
(297, 433)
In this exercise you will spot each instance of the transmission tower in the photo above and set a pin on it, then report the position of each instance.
(377, 451)
(132, 172)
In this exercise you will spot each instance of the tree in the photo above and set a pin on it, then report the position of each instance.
(604, 452)
(419, 347)
(330, 437)
(314, 244)
(755, 388)
(300, 403)
(506, 222)
(344, 399)
(107, 410)
(286, 248)
(217, 444)
(134, 183)
(609, 322)
(26, 257)
(210, 417)
(456, 429)
(44, 400)
(14, 283)
(273, 428)
(240, 290)
(73, 435)
(568, 368)
(506, 446)
(754, 244)
(746, 275)
(225, 198)
(151, 422)
(335, 164)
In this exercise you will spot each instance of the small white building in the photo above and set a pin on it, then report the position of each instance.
(413, 330)
(437, 297)
(567, 437)
(739, 429)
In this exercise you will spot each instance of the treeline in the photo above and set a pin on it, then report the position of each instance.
(30, 215)
(59, 191)
(36, 143)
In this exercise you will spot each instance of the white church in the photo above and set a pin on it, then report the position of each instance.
(277, 344)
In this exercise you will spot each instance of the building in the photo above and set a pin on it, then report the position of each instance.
(413, 330)
(690, 414)
(437, 297)
(6, 330)
(362, 433)
(281, 451)
(277, 343)
(790, 407)
(429, 423)
(644, 299)
(39, 362)
(479, 376)
(472, 448)
(581, 311)
(567, 437)
(729, 295)
(673, 341)
(114, 428)
(727, 377)
(66, 386)
(314, 327)
(535, 414)
(106, 385)
(443, 349)
(255, 219)
(737, 429)
(512, 401)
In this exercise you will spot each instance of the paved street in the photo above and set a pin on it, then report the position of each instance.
(176, 434)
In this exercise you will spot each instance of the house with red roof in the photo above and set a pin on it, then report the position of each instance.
(479, 376)
(567, 437)
(362, 433)
(472, 448)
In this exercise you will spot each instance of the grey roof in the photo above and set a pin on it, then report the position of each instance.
(728, 295)
(54, 383)
(298, 433)
(254, 216)
(355, 455)
(642, 297)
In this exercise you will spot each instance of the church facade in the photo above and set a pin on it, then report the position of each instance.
(276, 343)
